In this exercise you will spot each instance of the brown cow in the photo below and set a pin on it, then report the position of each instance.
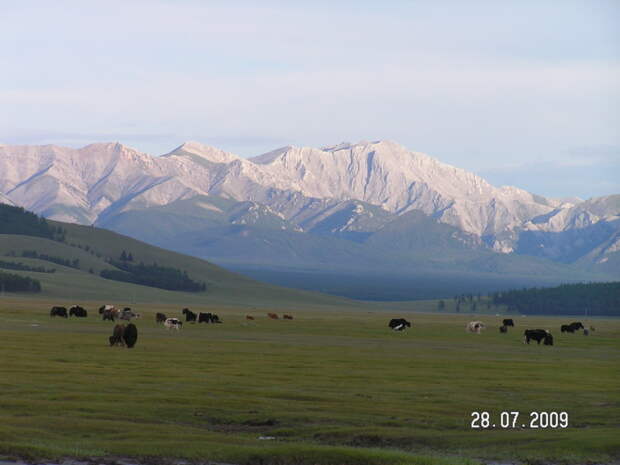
(116, 339)
(249, 317)
(273, 316)
(287, 317)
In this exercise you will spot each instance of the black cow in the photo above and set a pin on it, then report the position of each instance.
(503, 329)
(538, 335)
(189, 315)
(78, 311)
(208, 318)
(130, 336)
(59, 311)
(160, 318)
(508, 322)
(571, 328)
(399, 324)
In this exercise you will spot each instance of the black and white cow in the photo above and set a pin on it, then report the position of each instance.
(475, 326)
(127, 314)
(508, 322)
(538, 335)
(189, 315)
(399, 324)
(105, 307)
(173, 323)
(110, 314)
(59, 311)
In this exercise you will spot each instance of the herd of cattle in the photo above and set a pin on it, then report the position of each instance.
(127, 334)
(538, 335)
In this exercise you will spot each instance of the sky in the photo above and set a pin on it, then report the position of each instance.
(523, 93)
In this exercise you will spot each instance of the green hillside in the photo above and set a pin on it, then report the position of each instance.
(91, 249)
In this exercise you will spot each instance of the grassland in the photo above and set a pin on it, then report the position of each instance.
(332, 386)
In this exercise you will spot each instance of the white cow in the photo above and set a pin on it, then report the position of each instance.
(475, 326)
(173, 323)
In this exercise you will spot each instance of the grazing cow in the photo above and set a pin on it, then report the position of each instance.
(249, 317)
(59, 311)
(127, 314)
(78, 311)
(508, 322)
(503, 329)
(189, 315)
(287, 317)
(538, 335)
(130, 336)
(171, 323)
(104, 308)
(475, 326)
(399, 324)
(117, 335)
(571, 328)
(273, 316)
(208, 318)
(160, 318)
(110, 314)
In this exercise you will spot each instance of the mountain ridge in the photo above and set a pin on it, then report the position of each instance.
(346, 191)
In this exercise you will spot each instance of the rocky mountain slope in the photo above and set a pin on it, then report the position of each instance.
(369, 204)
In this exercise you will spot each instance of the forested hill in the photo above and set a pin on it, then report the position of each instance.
(602, 299)
(60, 260)
(16, 220)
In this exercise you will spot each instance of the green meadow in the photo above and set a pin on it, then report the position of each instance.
(333, 386)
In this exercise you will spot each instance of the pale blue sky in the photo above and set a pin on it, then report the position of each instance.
(525, 93)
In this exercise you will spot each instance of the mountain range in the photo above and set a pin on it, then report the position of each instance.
(367, 206)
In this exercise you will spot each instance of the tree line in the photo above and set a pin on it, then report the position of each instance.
(10, 282)
(19, 266)
(153, 275)
(16, 220)
(602, 299)
(75, 263)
